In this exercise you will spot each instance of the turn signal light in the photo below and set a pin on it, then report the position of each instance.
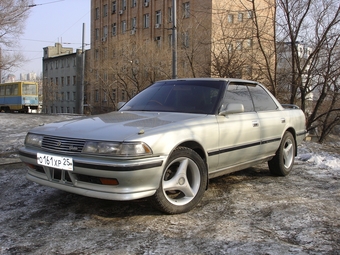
(107, 181)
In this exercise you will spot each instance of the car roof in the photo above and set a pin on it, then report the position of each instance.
(212, 79)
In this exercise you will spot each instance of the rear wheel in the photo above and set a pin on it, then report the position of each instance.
(183, 183)
(283, 162)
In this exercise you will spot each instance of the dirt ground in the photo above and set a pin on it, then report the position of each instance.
(248, 212)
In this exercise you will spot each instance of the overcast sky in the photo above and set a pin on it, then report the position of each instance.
(52, 21)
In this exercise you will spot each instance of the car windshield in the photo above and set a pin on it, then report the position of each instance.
(178, 96)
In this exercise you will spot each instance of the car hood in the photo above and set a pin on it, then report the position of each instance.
(115, 126)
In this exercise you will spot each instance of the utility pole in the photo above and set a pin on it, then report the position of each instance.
(82, 87)
(174, 39)
(80, 58)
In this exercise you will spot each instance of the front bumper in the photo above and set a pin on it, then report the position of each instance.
(134, 178)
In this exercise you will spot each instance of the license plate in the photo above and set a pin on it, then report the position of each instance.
(64, 163)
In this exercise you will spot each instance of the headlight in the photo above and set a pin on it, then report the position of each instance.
(33, 140)
(117, 149)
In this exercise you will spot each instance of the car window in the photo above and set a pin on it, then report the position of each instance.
(238, 93)
(178, 96)
(262, 100)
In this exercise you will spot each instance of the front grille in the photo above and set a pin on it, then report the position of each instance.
(63, 144)
(60, 175)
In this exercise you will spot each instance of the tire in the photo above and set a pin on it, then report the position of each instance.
(283, 161)
(183, 182)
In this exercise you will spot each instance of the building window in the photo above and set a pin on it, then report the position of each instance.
(56, 81)
(68, 80)
(239, 45)
(186, 9)
(114, 29)
(158, 41)
(97, 13)
(68, 96)
(133, 23)
(123, 95)
(97, 33)
(124, 26)
(240, 17)
(105, 55)
(96, 54)
(62, 96)
(62, 81)
(230, 18)
(133, 3)
(158, 18)
(170, 40)
(113, 7)
(105, 10)
(146, 3)
(249, 43)
(96, 95)
(249, 71)
(186, 39)
(250, 14)
(123, 4)
(114, 95)
(74, 96)
(105, 32)
(146, 20)
(74, 80)
(170, 17)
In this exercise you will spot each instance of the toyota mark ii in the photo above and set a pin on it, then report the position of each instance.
(167, 142)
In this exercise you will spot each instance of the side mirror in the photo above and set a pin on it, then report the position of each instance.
(231, 108)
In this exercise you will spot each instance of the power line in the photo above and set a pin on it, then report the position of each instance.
(34, 5)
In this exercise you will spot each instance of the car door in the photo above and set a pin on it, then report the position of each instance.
(271, 121)
(239, 132)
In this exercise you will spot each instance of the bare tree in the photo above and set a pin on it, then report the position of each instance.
(13, 14)
(127, 67)
(310, 30)
(244, 44)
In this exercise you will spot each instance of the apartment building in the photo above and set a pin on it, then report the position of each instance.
(131, 44)
(61, 84)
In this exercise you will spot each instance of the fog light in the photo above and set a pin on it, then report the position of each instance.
(107, 181)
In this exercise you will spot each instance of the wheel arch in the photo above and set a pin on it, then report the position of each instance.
(198, 148)
(292, 131)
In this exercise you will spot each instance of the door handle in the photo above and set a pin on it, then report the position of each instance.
(255, 123)
(283, 120)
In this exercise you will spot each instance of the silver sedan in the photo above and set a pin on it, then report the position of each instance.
(166, 142)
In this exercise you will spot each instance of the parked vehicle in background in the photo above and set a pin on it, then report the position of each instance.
(166, 142)
(21, 96)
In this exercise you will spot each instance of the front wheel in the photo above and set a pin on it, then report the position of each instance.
(283, 161)
(183, 183)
